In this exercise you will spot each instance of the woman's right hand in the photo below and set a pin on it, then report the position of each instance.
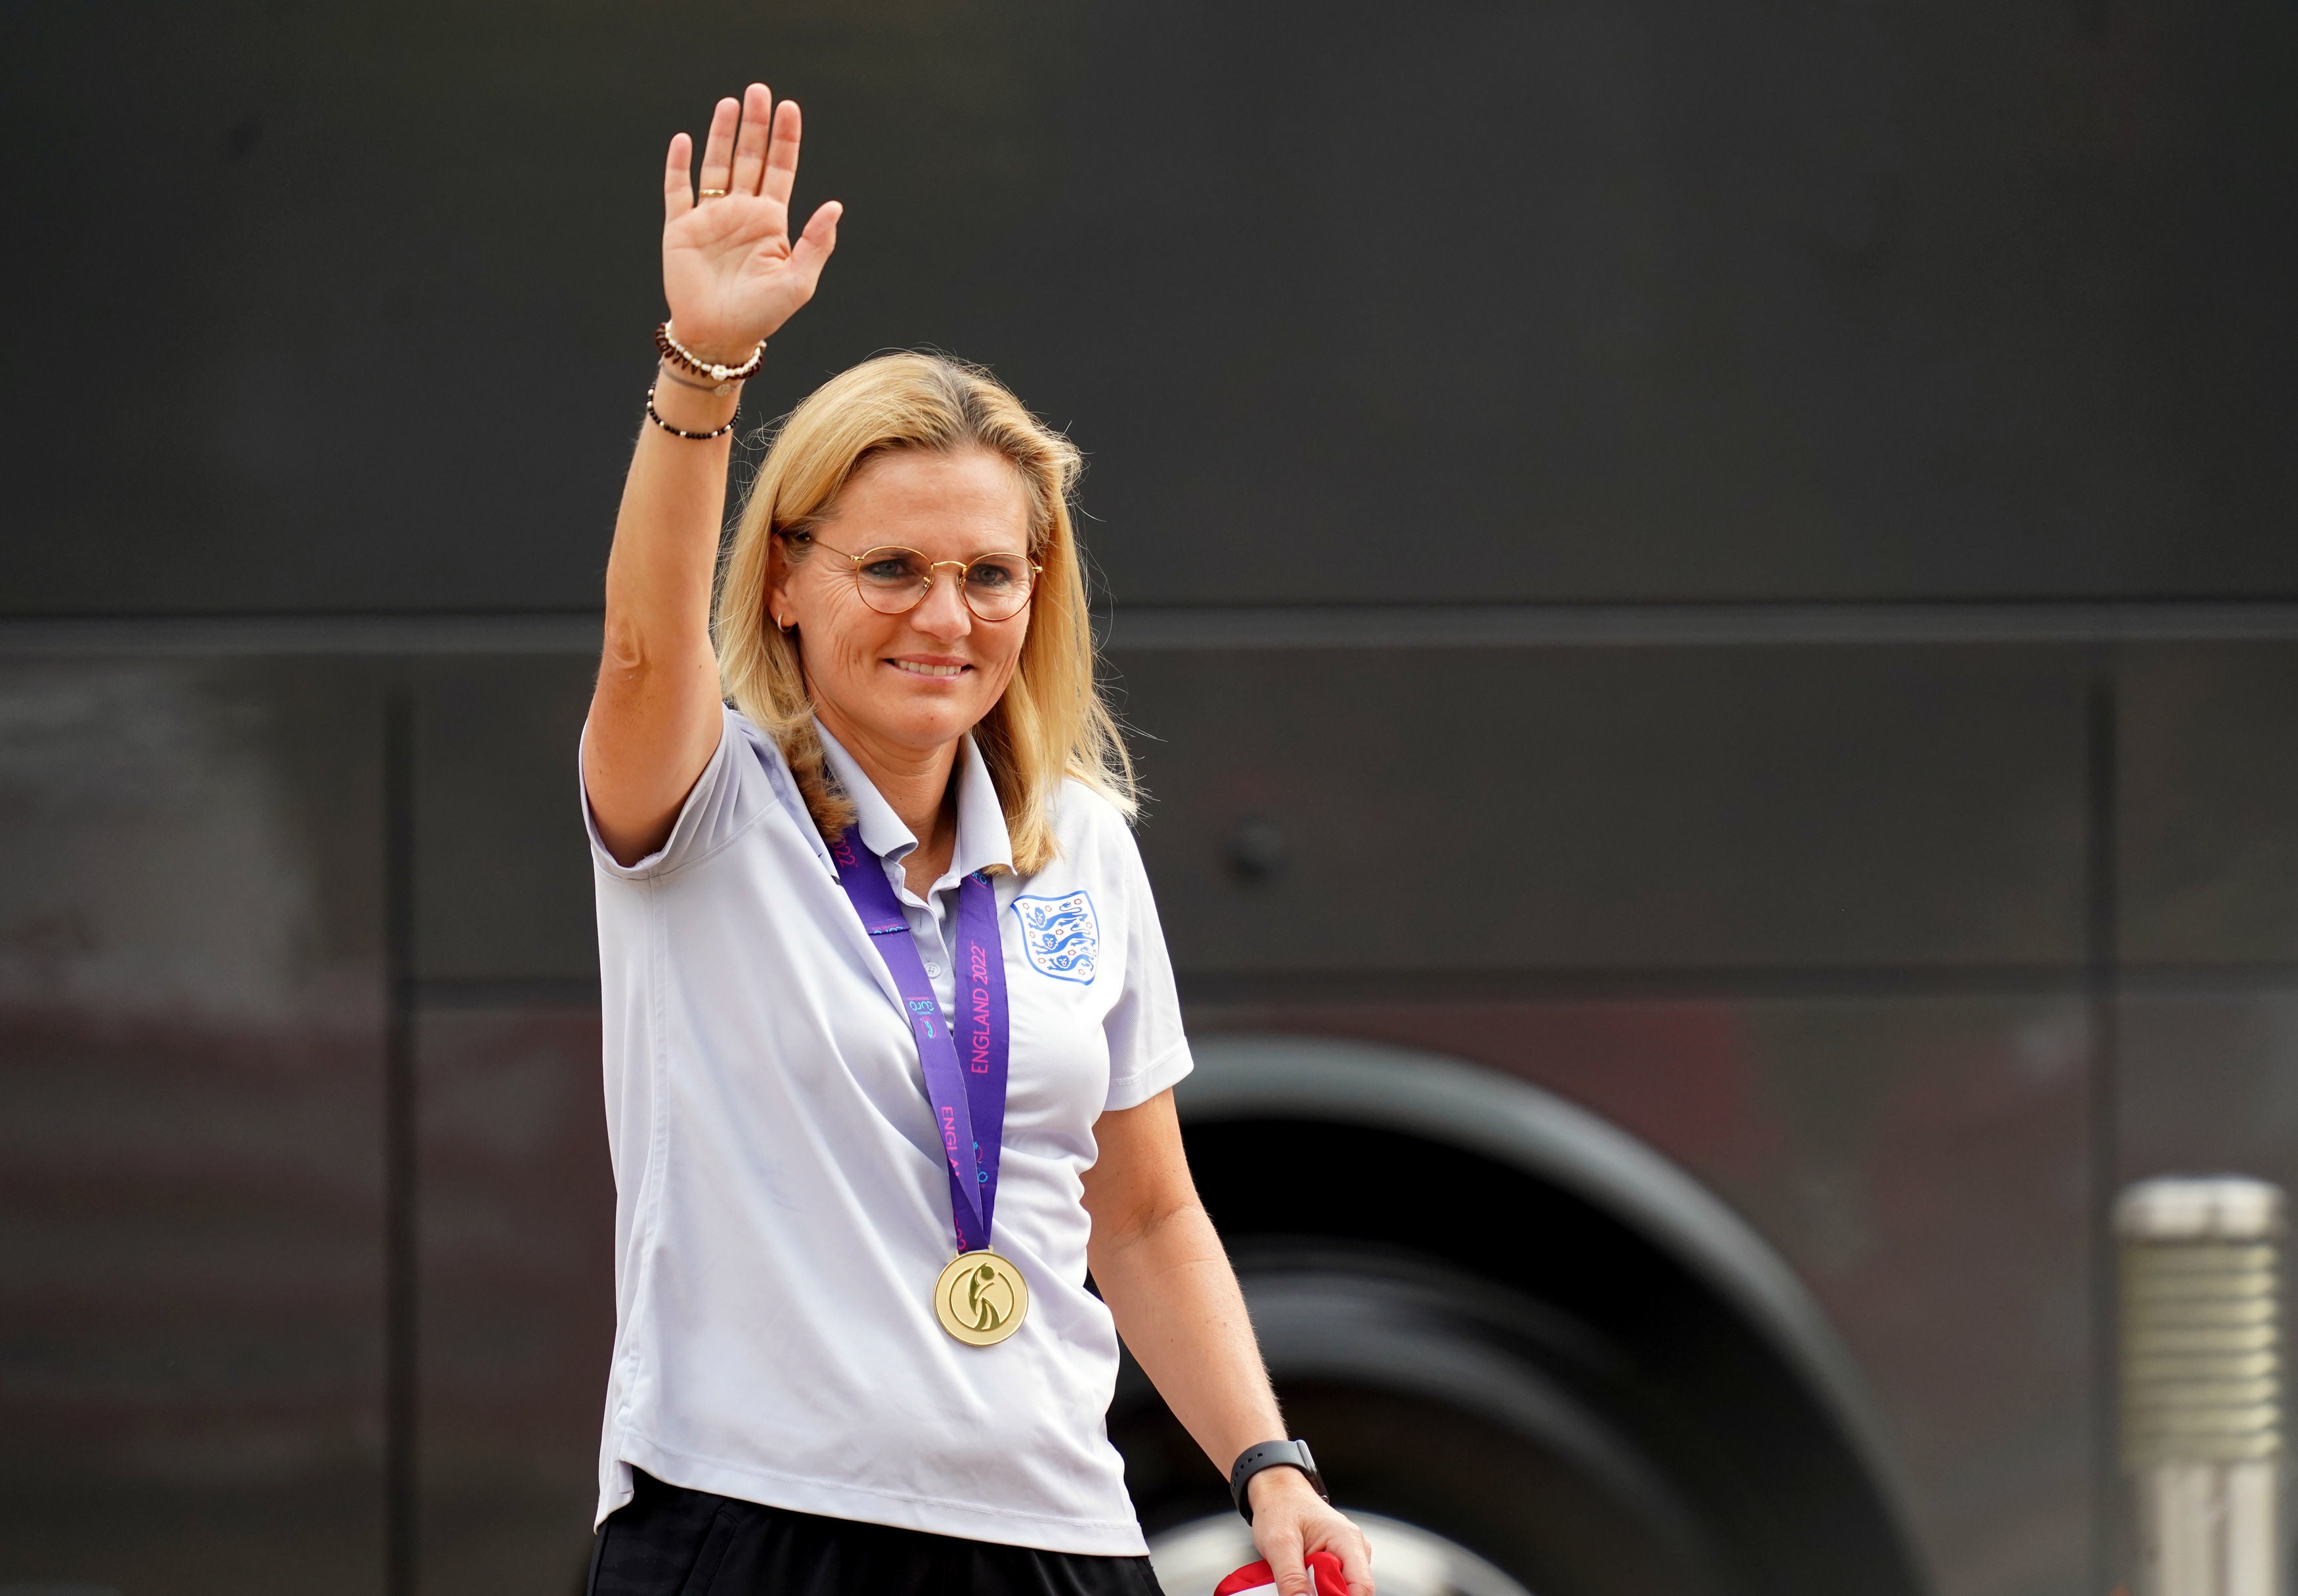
(729, 269)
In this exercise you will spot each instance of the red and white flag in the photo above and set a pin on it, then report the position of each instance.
(1257, 1579)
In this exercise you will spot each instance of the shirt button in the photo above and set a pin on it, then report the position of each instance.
(933, 969)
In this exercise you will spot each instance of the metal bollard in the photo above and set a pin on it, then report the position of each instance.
(2201, 1384)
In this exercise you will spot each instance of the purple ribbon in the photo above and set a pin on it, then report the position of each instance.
(965, 1073)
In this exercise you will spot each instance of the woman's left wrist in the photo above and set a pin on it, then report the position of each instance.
(1282, 1483)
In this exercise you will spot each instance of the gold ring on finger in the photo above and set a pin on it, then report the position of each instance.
(713, 193)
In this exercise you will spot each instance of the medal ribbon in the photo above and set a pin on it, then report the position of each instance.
(965, 1073)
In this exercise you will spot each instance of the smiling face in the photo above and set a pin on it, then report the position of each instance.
(914, 683)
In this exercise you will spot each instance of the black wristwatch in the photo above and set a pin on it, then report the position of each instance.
(1271, 1454)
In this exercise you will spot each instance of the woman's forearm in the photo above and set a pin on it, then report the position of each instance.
(1171, 1288)
(732, 276)
(654, 712)
(1174, 1295)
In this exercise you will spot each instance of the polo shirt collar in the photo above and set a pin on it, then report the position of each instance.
(982, 839)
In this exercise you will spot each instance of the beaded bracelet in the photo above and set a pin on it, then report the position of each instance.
(679, 355)
(678, 432)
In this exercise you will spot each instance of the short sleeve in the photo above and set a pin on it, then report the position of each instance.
(1148, 1050)
(730, 796)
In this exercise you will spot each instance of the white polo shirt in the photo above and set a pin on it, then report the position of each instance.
(781, 1212)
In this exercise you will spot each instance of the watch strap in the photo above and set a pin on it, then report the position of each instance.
(1271, 1454)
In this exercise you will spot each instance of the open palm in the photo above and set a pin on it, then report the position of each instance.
(730, 270)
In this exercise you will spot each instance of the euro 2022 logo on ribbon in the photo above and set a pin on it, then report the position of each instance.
(1061, 936)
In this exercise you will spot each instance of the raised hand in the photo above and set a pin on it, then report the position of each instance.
(729, 269)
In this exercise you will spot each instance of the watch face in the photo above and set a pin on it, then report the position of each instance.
(1307, 1466)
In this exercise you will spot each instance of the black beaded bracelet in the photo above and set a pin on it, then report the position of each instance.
(678, 432)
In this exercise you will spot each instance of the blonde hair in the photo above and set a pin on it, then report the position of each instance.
(1051, 724)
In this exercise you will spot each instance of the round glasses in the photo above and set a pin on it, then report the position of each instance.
(895, 580)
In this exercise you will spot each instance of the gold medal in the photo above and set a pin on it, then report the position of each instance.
(980, 1298)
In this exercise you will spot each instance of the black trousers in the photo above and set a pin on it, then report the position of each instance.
(668, 1541)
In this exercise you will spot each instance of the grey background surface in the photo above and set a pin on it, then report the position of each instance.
(1460, 302)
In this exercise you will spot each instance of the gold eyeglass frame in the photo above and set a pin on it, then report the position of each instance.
(931, 566)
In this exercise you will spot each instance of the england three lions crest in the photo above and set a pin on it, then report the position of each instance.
(1061, 935)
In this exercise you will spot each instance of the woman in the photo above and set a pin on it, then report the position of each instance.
(890, 1031)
